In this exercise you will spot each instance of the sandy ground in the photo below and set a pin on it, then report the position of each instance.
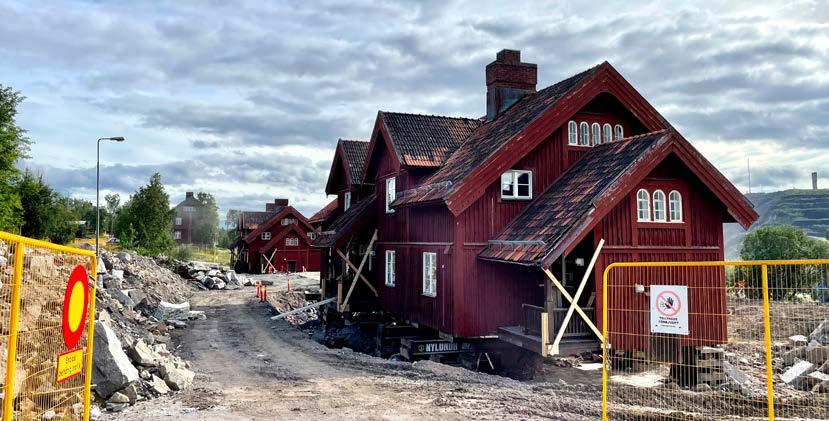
(250, 368)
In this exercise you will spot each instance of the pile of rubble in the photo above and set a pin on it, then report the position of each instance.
(138, 303)
(805, 360)
(212, 276)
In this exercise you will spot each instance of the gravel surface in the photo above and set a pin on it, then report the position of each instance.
(251, 368)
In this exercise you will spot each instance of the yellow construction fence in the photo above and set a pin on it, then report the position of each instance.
(716, 340)
(47, 307)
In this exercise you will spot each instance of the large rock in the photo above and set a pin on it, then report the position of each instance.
(816, 353)
(177, 378)
(795, 374)
(111, 368)
(742, 381)
(124, 257)
(792, 356)
(111, 282)
(798, 340)
(821, 333)
(159, 386)
(122, 297)
(168, 311)
(142, 355)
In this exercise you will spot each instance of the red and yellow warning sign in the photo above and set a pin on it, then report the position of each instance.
(70, 364)
(75, 305)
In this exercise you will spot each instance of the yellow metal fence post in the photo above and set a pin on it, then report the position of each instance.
(767, 323)
(90, 337)
(605, 342)
(11, 360)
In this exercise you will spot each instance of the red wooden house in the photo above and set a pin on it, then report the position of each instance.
(278, 239)
(464, 216)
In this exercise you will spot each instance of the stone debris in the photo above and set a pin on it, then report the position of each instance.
(111, 368)
(169, 311)
(821, 333)
(212, 276)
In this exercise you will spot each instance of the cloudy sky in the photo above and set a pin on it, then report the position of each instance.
(247, 101)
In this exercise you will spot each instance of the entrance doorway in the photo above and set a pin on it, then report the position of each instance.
(290, 266)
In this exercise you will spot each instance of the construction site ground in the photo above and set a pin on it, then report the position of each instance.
(249, 367)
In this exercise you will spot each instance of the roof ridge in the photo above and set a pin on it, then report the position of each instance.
(352, 140)
(428, 115)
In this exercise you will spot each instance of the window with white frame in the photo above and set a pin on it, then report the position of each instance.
(291, 241)
(289, 221)
(659, 214)
(584, 138)
(430, 274)
(675, 206)
(189, 209)
(346, 200)
(391, 193)
(177, 235)
(643, 205)
(517, 184)
(596, 136)
(311, 235)
(618, 132)
(572, 133)
(607, 133)
(178, 220)
(390, 255)
(266, 235)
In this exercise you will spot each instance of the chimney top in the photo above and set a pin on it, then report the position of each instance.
(508, 56)
(189, 194)
(507, 80)
(272, 207)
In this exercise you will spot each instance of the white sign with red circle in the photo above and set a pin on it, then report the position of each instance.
(669, 309)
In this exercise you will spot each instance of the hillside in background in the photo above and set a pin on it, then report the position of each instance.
(805, 209)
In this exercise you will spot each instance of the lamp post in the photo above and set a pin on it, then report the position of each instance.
(98, 191)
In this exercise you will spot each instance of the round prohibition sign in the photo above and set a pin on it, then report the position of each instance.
(668, 304)
(75, 306)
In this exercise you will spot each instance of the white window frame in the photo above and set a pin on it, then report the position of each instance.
(265, 236)
(584, 134)
(189, 209)
(430, 274)
(311, 235)
(640, 201)
(675, 206)
(390, 267)
(346, 201)
(572, 133)
(607, 133)
(514, 174)
(618, 132)
(289, 221)
(391, 193)
(177, 235)
(660, 210)
(595, 134)
(178, 220)
(291, 241)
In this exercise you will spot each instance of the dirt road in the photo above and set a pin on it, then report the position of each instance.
(251, 368)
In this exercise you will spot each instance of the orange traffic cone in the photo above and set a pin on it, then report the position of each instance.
(289, 283)
(264, 293)
(258, 289)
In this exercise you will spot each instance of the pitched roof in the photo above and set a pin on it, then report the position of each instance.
(281, 234)
(188, 201)
(598, 180)
(355, 153)
(346, 224)
(426, 140)
(287, 210)
(325, 213)
(250, 220)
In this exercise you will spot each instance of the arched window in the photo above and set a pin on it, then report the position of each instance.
(584, 139)
(659, 206)
(675, 206)
(619, 132)
(597, 133)
(607, 133)
(643, 205)
(572, 133)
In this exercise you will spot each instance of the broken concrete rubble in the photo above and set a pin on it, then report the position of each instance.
(821, 333)
(178, 378)
(112, 369)
(211, 276)
(168, 311)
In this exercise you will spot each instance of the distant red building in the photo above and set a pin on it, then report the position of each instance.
(278, 238)
(185, 219)
(459, 217)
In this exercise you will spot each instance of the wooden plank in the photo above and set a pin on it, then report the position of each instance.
(545, 333)
(297, 310)
(566, 295)
(359, 271)
(361, 276)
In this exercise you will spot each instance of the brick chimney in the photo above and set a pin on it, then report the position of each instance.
(507, 80)
(277, 203)
(188, 195)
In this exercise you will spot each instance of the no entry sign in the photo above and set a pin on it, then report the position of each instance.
(75, 305)
(669, 309)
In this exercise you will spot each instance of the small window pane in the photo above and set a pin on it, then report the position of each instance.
(572, 133)
(659, 206)
(675, 206)
(506, 184)
(584, 140)
(523, 190)
(643, 205)
(597, 134)
(607, 133)
(620, 132)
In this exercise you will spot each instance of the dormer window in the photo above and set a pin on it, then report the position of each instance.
(288, 221)
(596, 133)
(266, 236)
(607, 133)
(291, 241)
(584, 139)
(618, 132)
(346, 201)
(572, 133)
(391, 193)
(517, 184)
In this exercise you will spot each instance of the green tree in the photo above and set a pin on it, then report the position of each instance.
(206, 225)
(113, 204)
(37, 200)
(146, 220)
(14, 145)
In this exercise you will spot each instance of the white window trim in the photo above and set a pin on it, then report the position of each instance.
(178, 220)
(391, 181)
(291, 241)
(265, 236)
(390, 267)
(177, 235)
(346, 201)
(515, 174)
(595, 134)
(618, 132)
(638, 208)
(572, 133)
(584, 134)
(678, 208)
(607, 133)
(664, 201)
(311, 235)
(430, 289)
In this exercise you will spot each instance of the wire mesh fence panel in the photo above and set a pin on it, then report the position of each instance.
(7, 253)
(701, 340)
(54, 314)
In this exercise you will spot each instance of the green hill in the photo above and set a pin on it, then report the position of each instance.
(805, 209)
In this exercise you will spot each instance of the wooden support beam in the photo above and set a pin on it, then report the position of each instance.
(545, 333)
(301, 309)
(269, 261)
(359, 272)
(574, 303)
(566, 295)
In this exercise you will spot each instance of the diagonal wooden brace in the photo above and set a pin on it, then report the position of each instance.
(270, 264)
(359, 270)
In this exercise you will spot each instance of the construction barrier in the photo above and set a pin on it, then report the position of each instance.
(47, 307)
(716, 340)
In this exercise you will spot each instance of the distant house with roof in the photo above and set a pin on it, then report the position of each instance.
(276, 239)
(186, 216)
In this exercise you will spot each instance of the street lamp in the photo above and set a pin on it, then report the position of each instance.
(98, 191)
